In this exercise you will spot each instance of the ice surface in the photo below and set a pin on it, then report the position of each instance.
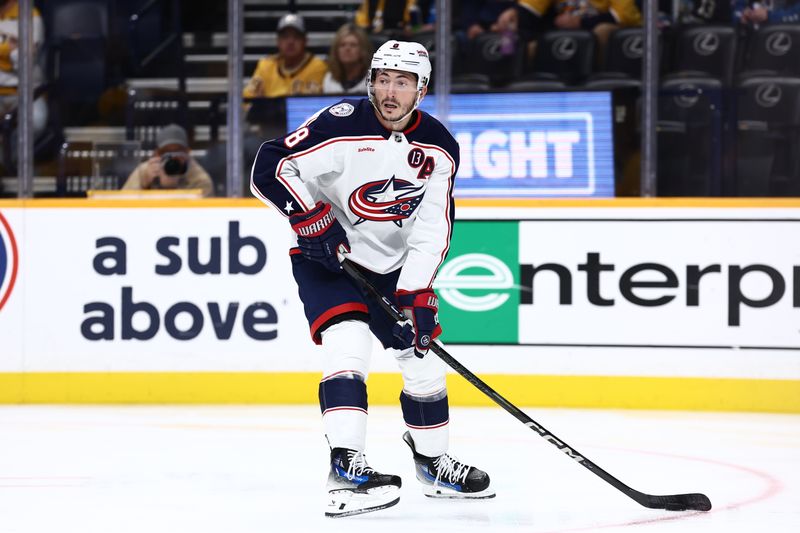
(263, 469)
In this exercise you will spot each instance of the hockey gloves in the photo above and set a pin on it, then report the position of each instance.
(422, 309)
(320, 235)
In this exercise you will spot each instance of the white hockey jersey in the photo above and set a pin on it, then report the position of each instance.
(392, 192)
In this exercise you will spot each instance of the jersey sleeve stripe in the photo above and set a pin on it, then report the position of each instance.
(257, 191)
(288, 186)
(254, 188)
(448, 214)
(311, 150)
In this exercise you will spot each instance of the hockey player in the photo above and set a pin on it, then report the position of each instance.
(373, 179)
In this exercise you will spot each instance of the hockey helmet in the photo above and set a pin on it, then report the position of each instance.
(401, 55)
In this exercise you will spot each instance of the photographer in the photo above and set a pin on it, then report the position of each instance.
(171, 166)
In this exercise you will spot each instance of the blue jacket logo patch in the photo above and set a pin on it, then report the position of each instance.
(385, 200)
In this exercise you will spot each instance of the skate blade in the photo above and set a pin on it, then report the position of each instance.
(349, 503)
(446, 493)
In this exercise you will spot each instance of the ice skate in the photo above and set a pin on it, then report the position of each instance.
(447, 477)
(355, 488)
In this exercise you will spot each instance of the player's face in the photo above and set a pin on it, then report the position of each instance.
(395, 94)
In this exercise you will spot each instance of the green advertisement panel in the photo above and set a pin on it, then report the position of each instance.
(478, 284)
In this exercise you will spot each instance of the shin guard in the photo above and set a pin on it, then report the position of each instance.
(343, 402)
(427, 418)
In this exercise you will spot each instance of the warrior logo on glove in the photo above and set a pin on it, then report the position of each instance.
(320, 235)
(422, 309)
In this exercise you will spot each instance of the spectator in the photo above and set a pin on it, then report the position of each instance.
(696, 11)
(348, 61)
(504, 17)
(387, 16)
(171, 166)
(293, 70)
(9, 64)
(479, 16)
(601, 17)
(753, 14)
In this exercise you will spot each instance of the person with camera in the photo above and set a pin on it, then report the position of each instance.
(171, 166)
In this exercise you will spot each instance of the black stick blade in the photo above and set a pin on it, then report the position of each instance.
(678, 502)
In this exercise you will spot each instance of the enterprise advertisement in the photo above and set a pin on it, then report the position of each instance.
(624, 282)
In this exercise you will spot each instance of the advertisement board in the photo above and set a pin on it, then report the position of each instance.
(626, 282)
(597, 305)
(151, 289)
(521, 144)
(213, 288)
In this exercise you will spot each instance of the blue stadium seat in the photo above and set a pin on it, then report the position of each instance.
(77, 48)
(689, 136)
(768, 137)
(567, 55)
(624, 52)
(773, 50)
(73, 20)
(488, 57)
(470, 83)
(706, 50)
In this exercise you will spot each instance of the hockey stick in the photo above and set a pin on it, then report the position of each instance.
(672, 502)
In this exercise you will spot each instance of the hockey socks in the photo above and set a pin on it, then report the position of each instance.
(343, 402)
(355, 488)
(447, 477)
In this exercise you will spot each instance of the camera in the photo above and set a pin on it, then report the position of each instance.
(174, 164)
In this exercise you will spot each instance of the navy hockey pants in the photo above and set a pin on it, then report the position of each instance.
(329, 298)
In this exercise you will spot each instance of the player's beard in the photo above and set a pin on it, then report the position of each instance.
(400, 113)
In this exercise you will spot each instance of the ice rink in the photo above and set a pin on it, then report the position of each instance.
(262, 469)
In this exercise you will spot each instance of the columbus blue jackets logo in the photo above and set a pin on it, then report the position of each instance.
(8, 261)
(342, 110)
(385, 200)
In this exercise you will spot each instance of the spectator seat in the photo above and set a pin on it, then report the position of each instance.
(768, 137)
(489, 56)
(689, 136)
(567, 55)
(706, 51)
(773, 50)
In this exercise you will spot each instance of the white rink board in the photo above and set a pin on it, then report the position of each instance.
(40, 324)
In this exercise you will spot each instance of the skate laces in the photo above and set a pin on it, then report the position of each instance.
(451, 469)
(357, 464)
